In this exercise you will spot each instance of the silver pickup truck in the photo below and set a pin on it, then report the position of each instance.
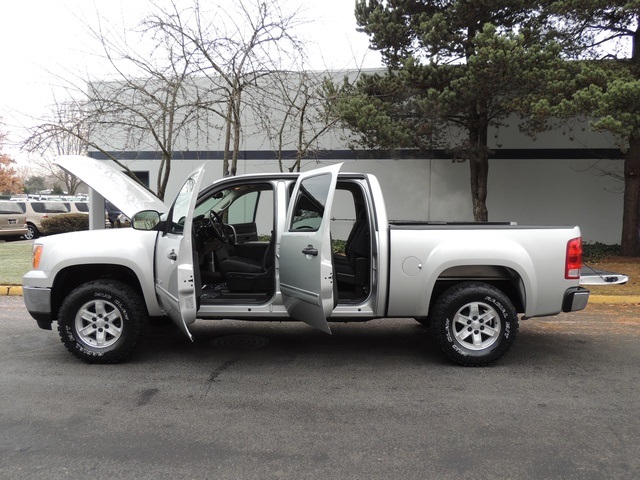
(315, 247)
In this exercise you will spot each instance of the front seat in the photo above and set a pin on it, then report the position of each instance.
(243, 274)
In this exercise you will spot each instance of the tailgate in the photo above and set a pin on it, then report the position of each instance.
(593, 276)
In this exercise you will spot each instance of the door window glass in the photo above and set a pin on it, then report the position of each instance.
(310, 203)
(181, 205)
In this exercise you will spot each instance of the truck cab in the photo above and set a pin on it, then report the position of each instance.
(268, 246)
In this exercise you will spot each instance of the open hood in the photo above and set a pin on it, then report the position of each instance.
(114, 185)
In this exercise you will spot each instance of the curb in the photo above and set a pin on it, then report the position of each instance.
(10, 290)
(615, 299)
(16, 290)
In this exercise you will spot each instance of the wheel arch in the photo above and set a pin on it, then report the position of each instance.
(504, 278)
(71, 277)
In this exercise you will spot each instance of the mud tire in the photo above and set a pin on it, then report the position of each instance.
(102, 321)
(474, 323)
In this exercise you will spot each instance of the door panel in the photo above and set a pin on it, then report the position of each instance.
(306, 263)
(176, 280)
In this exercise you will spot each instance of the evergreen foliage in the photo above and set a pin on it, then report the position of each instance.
(455, 68)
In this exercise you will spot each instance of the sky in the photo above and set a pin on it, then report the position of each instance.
(42, 41)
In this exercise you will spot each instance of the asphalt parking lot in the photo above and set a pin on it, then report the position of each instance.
(279, 400)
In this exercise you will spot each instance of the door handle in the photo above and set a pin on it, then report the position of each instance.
(172, 255)
(309, 250)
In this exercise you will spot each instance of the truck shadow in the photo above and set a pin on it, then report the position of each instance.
(378, 342)
(285, 342)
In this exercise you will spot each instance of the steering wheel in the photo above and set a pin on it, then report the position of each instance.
(217, 227)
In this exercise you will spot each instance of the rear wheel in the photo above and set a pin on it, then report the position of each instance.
(101, 321)
(32, 232)
(474, 323)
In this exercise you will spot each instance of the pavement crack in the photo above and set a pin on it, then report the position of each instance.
(216, 373)
(145, 397)
(213, 377)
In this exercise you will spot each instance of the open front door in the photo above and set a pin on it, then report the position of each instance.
(306, 265)
(175, 274)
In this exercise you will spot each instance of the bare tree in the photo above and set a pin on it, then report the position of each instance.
(180, 75)
(67, 138)
(148, 103)
(292, 115)
(235, 44)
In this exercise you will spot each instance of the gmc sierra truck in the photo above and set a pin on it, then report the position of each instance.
(315, 247)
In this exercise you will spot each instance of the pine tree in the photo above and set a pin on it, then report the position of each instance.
(452, 65)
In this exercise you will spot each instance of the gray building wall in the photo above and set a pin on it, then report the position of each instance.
(554, 179)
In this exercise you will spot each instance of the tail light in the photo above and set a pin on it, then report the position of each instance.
(573, 261)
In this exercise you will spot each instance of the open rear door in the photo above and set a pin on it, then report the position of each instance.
(175, 274)
(306, 265)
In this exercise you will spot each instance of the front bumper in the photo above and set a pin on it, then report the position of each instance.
(575, 298)
(38, 303)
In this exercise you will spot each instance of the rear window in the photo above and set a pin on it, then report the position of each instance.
(10, 208)
(82, 207)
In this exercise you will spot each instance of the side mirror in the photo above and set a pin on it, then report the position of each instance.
(145, 220)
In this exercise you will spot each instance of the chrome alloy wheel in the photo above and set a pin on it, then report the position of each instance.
(99, 324)
(476, 326)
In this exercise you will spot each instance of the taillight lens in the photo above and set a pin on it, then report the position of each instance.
(573, 262)
(36, 255)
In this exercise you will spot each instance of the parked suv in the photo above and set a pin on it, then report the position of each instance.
(83, 207)
(36, 211)
(77, 207)
(12, 220)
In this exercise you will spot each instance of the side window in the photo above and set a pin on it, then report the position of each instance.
(255, 207)
(55, 208)
(310, 203)
(37, 207)
(243, 209)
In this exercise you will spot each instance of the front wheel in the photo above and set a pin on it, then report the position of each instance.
(474, 323)
(101, 321)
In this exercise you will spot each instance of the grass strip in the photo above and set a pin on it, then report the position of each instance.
(15, 261)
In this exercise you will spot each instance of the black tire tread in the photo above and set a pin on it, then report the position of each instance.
(136, 327)
(469, 290)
